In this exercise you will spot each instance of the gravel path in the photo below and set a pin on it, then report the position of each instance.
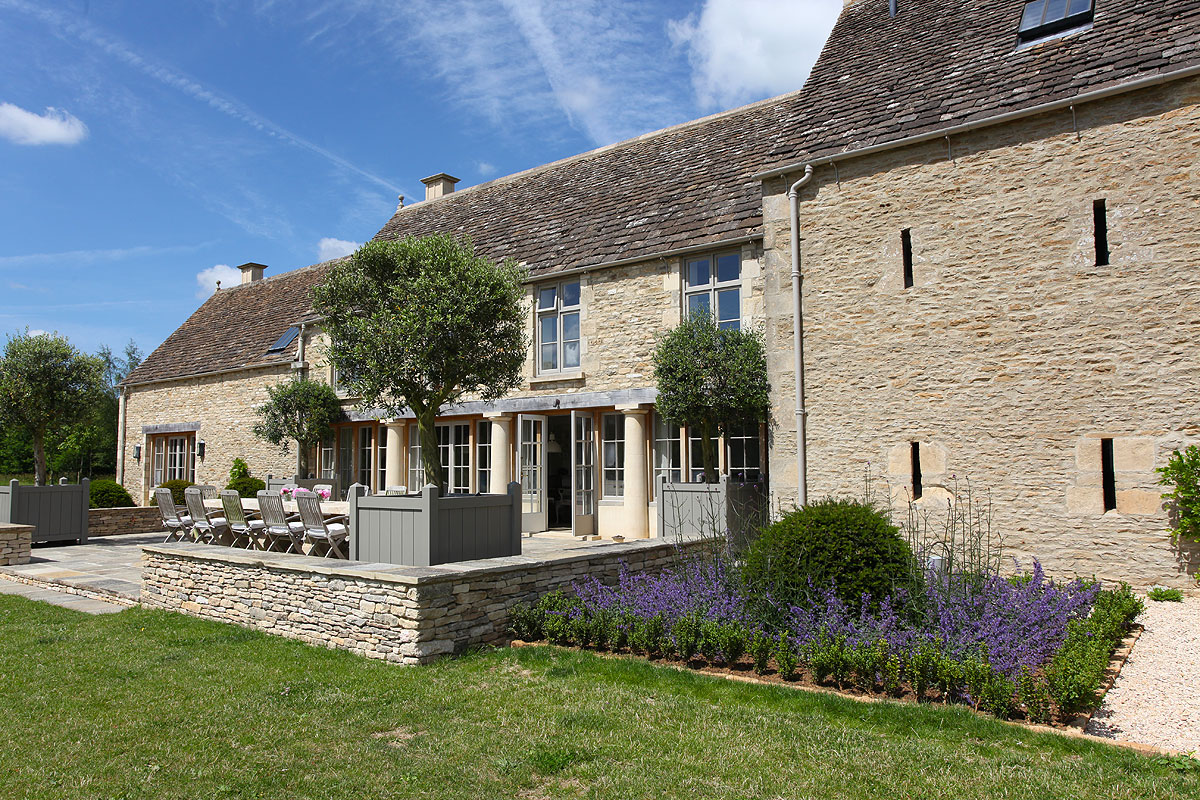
(1156, 698)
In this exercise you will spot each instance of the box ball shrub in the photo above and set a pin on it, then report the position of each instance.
(177, 488)
(246, 486)
(109, 494)
(844, 543)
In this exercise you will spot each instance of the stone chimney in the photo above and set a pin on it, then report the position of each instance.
(438, 185)
(252, 272)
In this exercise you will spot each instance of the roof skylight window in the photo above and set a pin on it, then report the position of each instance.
(283, 341)
(1044, 18)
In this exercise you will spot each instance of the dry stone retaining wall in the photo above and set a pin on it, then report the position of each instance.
(15, 543)
(117, 521)
(407, 615)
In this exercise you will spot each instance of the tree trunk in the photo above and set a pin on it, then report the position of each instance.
(39, 458)
(302, 460)
(431, 456)
(708, 451)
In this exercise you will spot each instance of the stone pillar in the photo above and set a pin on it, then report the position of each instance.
(637, 490)
(393, 469)
(501, 452)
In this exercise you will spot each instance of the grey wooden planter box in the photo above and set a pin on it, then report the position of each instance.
(57, 513)
(727, 509)
(423, 530)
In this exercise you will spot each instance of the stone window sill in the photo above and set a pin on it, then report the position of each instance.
(556, 377)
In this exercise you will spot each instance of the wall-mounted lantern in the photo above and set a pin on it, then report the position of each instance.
(137, 453)
(200, 449)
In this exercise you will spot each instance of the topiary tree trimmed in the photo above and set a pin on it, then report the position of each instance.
(421, 323)
(711, 379)
(108, 494)
(300, 410)
(846, 543)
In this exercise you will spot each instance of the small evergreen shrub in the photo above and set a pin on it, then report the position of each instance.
(760, 650)
(785, 657)
(240, 469)
(1164, 594)
(1182, 475)
(997, 696)
(1032, 694)
(177, 488)
(525, 622)
(843, 543)
(687, 636)
(108, 494)
(246, 486)
(1075, 673)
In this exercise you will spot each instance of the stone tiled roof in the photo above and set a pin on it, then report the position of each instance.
(235, 327)
(937, 63)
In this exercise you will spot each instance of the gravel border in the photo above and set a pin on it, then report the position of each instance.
(1156, 698)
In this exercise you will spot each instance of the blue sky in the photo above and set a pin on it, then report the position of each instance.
(145, 147)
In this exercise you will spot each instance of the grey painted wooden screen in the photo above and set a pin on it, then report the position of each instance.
(58, 513)
(423, 530)
(730, 509)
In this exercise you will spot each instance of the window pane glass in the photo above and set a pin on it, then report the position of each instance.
(546, 297)
(570, 326)
(570, 355)
(698, 272)
(1033, 14)
(1055, 10)
(570, 294)
(729, 268)
(1079, 7)
(729, 308)
(549, 356)
(550, 328)
(698, 302)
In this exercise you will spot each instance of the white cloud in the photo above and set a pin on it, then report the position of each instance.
(76, 258)
(207, 279)
(329, 248)
(38, 332)
(55, 126)
(742, 50)
(485, 169)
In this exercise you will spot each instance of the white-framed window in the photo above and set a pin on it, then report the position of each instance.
(668, 450)
(483, 456)
(454, 449)
(612, 448)
(696, 456)
(326, 463)
(558, 337)
(713, 284)
(181, 458)
(743, 453)
(381, 460)
(365, 456)
(346, 456)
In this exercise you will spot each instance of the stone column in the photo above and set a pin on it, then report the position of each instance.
(394, 466)
(637, 490)
(501, 452)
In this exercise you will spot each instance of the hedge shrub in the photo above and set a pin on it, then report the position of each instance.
(246, 486)
(842, 542)
(177, 488)
(109, 494)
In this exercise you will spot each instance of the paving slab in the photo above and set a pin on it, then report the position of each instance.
(87, 605)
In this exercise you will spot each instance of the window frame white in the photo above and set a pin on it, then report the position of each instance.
(713, 288)
(617, 470)
(559, 312)
(450, 449)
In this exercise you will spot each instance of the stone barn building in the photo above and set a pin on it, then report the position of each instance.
(998, 215)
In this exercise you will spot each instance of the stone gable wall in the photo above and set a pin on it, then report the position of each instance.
(224, 405)
(1013, 354)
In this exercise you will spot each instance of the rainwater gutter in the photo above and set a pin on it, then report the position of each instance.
(798, 339)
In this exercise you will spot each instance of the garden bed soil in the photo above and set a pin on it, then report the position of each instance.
(743, 670)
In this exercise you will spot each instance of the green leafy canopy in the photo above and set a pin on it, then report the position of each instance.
(1182, 474)
(420, 323)
(300, 410)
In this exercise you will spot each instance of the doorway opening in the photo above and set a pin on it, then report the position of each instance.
(558, 472)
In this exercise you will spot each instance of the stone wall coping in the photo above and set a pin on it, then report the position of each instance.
(12, 527)
(394, 573)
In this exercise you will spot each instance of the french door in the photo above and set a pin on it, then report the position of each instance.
(531, 465)
(583, 474)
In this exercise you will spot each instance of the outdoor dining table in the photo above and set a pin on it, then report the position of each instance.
(330, 508)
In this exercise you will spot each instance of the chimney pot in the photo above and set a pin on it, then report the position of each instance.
(252, 272)
(438, 185)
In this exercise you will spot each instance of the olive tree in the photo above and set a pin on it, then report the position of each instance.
(300, 410)
(421, 323)
(46, 385)
(711, 379)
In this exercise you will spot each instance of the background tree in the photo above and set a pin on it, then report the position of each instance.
(420, 323)
(89, 446)
(46, 385)
(711, 380)
(300, 410)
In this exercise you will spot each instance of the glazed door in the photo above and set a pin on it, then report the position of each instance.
(531, 466)
(583, 474)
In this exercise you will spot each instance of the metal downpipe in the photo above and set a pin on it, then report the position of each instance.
(798, 340)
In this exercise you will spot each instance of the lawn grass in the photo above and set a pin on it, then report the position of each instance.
(152, 704)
